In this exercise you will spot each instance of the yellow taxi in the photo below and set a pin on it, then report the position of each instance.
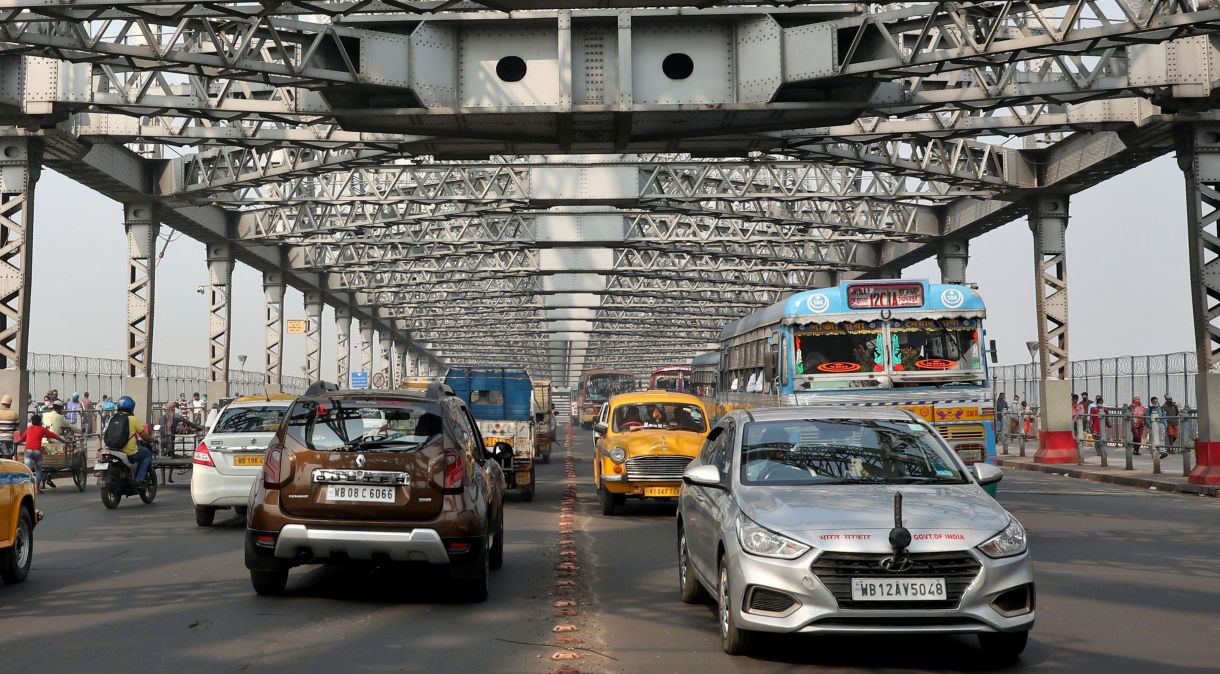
(644, 441)
(17, 520)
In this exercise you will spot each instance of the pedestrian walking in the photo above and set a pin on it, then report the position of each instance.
(1099, 423)
(1014, 420)
(1138, 414)
(1076, 415)
(1001, 410)
(1156, 426)
(86, 406)
(8, 427)
(1173, 417)
(198, 405)
(1027, 419)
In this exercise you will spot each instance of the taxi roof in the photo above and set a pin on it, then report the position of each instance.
(655, 396)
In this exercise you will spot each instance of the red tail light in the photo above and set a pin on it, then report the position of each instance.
(203, 456)
(453, 471)
(272, 465)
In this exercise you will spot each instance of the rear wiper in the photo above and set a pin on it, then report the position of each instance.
(374, 444)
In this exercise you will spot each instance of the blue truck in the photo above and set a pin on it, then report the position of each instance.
(502, 402)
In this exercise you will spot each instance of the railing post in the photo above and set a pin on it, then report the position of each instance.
(1124, 428)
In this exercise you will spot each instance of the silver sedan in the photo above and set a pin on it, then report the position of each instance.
(849, 520)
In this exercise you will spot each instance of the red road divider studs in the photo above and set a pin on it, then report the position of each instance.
(564, 603)
(564, 628)
(566, 655)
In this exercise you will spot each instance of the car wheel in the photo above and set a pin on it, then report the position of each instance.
(1003, 647)
(474, 588)
(16, 559)
(110, 497)
(497, 545)
(609, 502)
(269, 583)
(692, 589)
(204, 516)
(733, 639)
(149, 494)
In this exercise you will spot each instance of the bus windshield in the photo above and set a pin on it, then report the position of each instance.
(838, 349)
(599, 388)
(850, 353)
(923, 347)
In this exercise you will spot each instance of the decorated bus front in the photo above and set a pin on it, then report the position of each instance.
(912, 344)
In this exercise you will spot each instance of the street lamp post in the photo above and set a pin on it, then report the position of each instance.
(1034, 349)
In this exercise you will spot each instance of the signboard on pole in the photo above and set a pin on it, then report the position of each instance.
(297, 326)
(378, 380)
(360, 379)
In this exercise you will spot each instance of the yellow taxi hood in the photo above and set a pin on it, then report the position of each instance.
(657, 441)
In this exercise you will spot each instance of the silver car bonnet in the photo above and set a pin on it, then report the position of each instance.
(858, 518)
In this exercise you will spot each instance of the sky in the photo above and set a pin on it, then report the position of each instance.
(1127, 272)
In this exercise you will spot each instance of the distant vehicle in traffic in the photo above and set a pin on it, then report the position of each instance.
(596, 387)
(422, 488)
(18, 517)
(817, 520)
(544, 420)
(502, 403)
(229, 458)
(644, 441)
(671, 378)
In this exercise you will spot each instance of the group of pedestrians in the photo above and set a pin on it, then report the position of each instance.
(1154, 425)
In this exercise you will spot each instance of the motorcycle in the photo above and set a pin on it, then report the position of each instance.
(116, 478)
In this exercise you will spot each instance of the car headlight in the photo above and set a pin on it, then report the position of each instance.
(618, 454)
(1008, 543)
(758, 540)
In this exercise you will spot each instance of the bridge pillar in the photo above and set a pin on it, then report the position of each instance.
(387, 358)
(366, 348)
(142, 225)
(20, 166)
(220, 281)
(952, 258)
(273, 321)
(313, 336)
(343, 345)
(1048, 219)
(1198, 148)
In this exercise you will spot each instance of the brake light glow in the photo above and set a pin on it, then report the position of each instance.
(453, 471)
(272, 473)
(203, 456)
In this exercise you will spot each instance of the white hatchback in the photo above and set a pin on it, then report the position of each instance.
(230, 457)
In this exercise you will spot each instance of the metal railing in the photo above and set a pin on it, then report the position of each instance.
(1116, 427)
(104, 376)
(1116, 379)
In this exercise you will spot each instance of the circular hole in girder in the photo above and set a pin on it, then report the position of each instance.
(677, 66)
(511, 69)
(10, 151)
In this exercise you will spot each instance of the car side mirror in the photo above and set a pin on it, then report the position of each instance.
(599, 428)
(995, 357)
(987, 473)
(703, 476)
(501, 451)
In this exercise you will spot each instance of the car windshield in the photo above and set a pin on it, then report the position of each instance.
(844, 451)
(353, 424)
(250, 419)
(672, 416)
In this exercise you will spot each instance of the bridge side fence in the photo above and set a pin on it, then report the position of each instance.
(1116, 379)
(104, 376)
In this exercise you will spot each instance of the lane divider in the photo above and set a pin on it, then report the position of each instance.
(567, 569)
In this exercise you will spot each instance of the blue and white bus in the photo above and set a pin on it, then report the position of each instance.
(908, 343)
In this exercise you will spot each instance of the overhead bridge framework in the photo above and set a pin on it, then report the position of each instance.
(563, 185)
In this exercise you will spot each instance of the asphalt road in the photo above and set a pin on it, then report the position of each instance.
(1128, 581)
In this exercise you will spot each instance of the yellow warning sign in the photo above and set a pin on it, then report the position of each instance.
(297, 327)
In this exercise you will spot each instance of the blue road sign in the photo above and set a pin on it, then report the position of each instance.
(360, 379)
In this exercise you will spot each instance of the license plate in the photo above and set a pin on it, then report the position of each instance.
(248, 460)
(970, 455)
(661, 491)
(523, 478)
(347, 492)
(100, 466)
(897, 589)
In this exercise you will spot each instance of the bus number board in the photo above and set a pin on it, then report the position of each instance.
(885, 296)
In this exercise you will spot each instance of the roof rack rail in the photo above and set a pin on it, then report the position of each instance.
(437, 390)
(319, 387)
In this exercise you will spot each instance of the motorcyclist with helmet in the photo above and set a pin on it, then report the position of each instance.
(137, 452)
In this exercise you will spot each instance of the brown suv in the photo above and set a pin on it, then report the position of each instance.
(377, 476)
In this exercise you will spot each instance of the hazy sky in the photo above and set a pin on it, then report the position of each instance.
(1127, 268)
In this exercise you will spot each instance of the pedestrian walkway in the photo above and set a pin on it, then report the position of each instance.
(1170, 479)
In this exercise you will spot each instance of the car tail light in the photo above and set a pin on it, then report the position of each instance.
(203, 456)
(453, 471)
(273, 466)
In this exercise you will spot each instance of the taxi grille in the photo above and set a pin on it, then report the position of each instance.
(656, 468)
(836, 569)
